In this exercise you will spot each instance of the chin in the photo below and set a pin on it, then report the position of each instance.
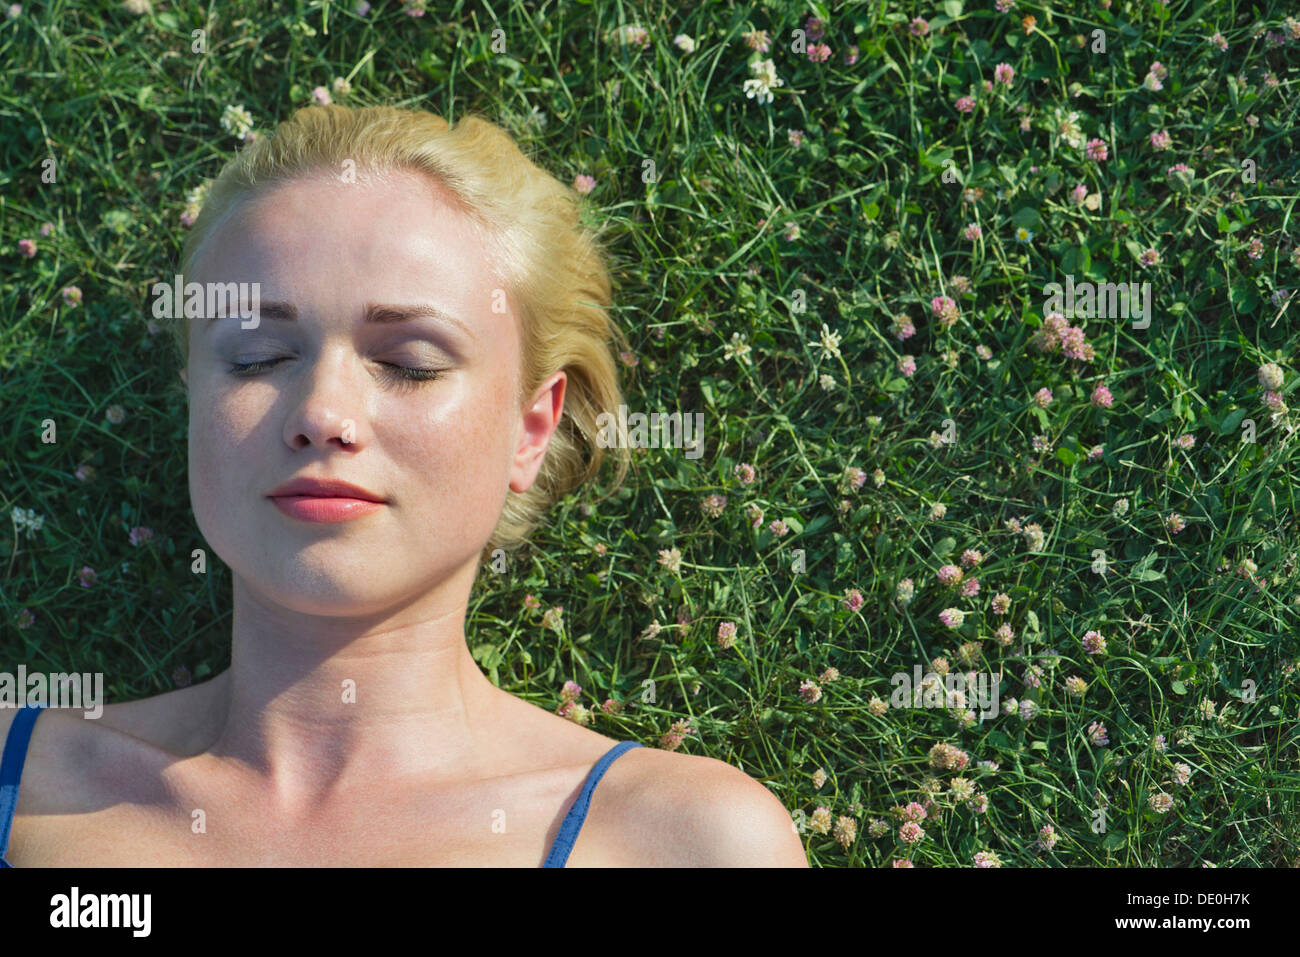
(334, 579)
(326, 595)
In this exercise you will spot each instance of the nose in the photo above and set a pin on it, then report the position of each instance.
(329, 404)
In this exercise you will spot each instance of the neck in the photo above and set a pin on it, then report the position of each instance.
(314, 704)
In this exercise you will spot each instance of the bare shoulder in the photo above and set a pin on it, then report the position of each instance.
(56, 735)
(681, 810)
(56, 746)
(70, 754)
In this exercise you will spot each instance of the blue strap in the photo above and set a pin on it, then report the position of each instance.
(11, 771)
(573, 821)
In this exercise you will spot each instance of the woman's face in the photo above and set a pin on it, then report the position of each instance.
(441, 453)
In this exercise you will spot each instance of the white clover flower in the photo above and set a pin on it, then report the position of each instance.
(26, 520)
(198, 194)
(236, 121)
(765, 79)
(830, 343)
(738, 348)
(1271, 376)
(765, 70)
(635, 34)
(1066, 126)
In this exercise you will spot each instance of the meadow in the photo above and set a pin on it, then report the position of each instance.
(834, 231)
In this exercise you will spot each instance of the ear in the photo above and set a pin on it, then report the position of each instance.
(541, 416)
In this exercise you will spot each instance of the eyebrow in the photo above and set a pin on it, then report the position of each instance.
(374, 313)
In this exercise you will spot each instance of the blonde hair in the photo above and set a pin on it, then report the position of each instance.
(552, 267)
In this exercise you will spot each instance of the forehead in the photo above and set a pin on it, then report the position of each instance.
(316, 236)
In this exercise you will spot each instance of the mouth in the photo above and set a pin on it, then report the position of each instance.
(324, 508)
(325, 500)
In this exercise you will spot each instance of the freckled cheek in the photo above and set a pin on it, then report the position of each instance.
(462, 451)
(224, 456)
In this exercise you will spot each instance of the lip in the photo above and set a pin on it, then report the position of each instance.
(334, 508)
(324, 500)
(324, 488)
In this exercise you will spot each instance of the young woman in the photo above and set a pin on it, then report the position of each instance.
(420, 382)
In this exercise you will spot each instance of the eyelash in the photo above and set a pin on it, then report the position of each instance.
(401, 375)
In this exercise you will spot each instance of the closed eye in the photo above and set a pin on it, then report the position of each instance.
(395, 372)
(247, 368)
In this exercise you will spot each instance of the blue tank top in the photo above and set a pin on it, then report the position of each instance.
(20, 734)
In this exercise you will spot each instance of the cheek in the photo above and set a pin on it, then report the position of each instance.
(220, 436)
(464, 449)
(454, 462)
(225, 422)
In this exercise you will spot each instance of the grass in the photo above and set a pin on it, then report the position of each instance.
(731, 256)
